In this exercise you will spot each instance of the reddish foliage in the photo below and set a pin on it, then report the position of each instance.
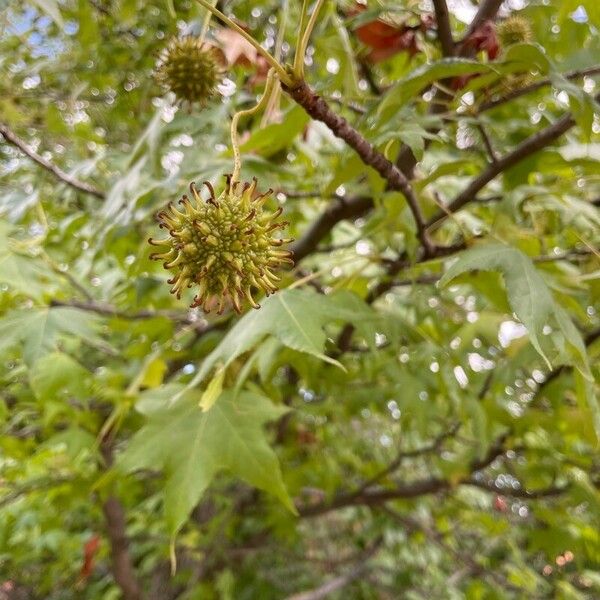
(239, 52)
(305, 437)
(385, 40)
(500, 504)
(90, 548)
(483, 39)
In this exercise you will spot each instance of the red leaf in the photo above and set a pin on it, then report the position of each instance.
(239, 52)
(378, 35)
(90, 548)
(386, 39)
(500, 504)
(484, 38)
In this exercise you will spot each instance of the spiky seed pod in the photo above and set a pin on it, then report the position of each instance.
(224, 246)
(190, 69)
(514, 30)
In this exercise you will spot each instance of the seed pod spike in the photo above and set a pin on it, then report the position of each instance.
(210, 188)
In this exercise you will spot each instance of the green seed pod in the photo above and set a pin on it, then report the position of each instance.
(514, 30)
(223, 245)
(190, 69)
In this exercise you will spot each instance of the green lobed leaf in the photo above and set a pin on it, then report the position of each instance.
(40, 329)
(192, 445)
(295, 317)
(57, 375)
(528, 294)
(414, 82)
(25, 274)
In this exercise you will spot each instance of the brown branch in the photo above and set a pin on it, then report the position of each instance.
(487, 142)
(413, 489)
(107, 310)
(116, 529)
(407, 491)
(444, 32)
(338, 210)
(75, 183)
(393, 268)
(528, 89)
(340, 582)
(488, 9)
(526, 148)
(434, 446)
(490, 486)
(319, 110)
(406, 160)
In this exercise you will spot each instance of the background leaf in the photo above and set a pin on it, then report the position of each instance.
(193, 445)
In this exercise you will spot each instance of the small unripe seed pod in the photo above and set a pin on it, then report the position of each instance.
(514, 30)
(192, 70)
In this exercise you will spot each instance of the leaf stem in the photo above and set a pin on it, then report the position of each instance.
(301, 48)
(206, 23)
(298, 68)
(279, 69)
(235, 143)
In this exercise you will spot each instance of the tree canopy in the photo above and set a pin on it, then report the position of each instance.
(409, 410)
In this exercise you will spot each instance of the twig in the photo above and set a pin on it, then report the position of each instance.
(75, 183)
(43, 483)
(575, 253)
(444, 32)
(406, 160)
(319, 110)
(341, 581)
(116, 529)
(413, 489)
(527, 147)
(335, 212)
(487, 142)
(528, 89)
(434, 446)
(421, 280)
(111, 311)
(487, 11)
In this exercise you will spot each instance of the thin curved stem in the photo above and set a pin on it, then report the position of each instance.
(301, 49)
(281, 31)
(237, 161)
(206, 24)
(279, 69)
(299, 56)
(273, 103)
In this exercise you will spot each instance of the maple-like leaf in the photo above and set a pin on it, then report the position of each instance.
(296, 317)
(192, 445)
(528, 295)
